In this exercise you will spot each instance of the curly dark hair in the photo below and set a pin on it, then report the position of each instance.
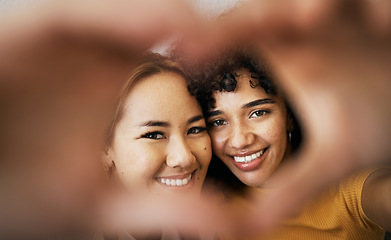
(221, 72)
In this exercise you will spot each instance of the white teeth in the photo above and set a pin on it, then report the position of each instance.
(185, 181)
(249, 158)
(176, 182)
(179, 182)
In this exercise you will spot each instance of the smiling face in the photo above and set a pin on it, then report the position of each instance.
(161, 144)
(249, 128)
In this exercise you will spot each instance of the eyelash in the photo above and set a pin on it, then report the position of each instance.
(154, 135)
(196, 130)
(214, 123)
(263, 112)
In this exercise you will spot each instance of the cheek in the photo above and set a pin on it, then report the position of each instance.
(138, 163)
(275, 133)
(218, 141)
(202, 150)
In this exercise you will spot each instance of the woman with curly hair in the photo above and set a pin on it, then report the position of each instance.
(254, 132)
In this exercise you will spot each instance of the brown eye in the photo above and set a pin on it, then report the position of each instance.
(196, 130)
(258, 113)
(218, 123)
(153, 135)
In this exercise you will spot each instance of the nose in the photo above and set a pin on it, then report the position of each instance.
(179, 153)
(240, 136)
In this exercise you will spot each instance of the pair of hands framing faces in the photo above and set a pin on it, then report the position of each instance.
(62, 64)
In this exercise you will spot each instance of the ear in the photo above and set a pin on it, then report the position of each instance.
(107, 159)
(290, 123)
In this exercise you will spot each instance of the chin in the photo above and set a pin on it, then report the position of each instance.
(252, 180)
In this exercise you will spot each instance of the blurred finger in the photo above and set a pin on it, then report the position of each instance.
(377, 13)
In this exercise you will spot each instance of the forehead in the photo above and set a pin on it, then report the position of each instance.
(161, 97)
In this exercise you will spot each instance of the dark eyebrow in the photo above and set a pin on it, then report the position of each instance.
(258, 102)
(154, 124)
(214, 113)
(195, 119)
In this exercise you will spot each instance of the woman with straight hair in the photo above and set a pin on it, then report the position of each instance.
(157, 143)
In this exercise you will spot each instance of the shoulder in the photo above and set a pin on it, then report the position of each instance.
(376, 197)
(353, 193)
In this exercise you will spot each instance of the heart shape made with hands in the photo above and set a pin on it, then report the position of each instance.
(330, 57)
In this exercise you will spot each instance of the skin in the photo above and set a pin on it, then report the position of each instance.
(239, 129)
(161, 138)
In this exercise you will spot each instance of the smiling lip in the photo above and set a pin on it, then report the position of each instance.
(251, 161)
(176, 181)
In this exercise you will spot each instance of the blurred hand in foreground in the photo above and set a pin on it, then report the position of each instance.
(62, 65)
